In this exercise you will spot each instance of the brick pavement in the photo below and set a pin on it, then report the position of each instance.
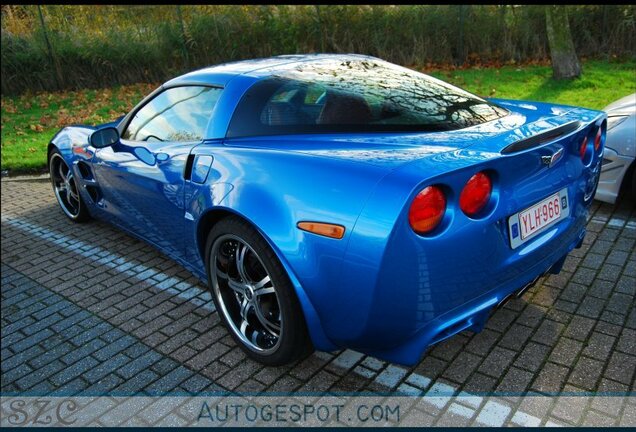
(89, 310)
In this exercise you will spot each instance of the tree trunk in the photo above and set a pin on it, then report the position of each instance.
(565, 64)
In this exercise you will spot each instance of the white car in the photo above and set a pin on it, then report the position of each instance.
(619, 168)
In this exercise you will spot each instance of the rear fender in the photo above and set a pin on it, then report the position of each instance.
(274, 191)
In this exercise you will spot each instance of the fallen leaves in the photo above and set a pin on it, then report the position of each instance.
(41, 112)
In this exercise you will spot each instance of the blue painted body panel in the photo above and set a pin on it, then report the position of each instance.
(382, 289)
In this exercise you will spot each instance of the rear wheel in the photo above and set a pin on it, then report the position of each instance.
(254, 295)
(66, 188)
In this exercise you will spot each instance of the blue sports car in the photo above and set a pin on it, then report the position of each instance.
(340, 201)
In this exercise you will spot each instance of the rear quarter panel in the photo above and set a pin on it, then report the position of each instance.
(275, 190)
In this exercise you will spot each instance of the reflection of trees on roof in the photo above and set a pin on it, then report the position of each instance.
(414, 97)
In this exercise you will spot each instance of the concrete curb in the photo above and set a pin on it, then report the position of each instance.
(26, 178)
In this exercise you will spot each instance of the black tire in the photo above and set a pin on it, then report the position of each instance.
(71, 205)
(293, 342)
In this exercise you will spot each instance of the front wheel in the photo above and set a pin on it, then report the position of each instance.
(254, 295)
(66, 188)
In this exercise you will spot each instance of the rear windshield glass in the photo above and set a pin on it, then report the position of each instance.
(355, 96)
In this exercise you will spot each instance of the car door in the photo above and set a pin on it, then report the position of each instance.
(142, 176)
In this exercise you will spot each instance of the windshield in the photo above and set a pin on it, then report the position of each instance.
(355, 96)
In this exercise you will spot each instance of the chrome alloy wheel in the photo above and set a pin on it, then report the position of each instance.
(65, 186)
(246, 294)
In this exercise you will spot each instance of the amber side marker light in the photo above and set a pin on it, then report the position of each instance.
(323, 229)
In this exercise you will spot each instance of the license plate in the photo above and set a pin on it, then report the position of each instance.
(529, 222)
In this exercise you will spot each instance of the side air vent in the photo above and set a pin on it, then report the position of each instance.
(94, 193)
(85, 170)
(542, 138)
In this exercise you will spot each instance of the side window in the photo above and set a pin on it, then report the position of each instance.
(177, 114)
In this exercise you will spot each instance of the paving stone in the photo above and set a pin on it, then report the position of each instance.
(598, 420)
(601, 289)
(345, 361)
(584, 276)
(586, 373)
(80, 353)
(195, 384)
(531, 316)
(456, 416)
(391, 376)
(23, 343)
(497, 362)
(516, 337)
(319, 383)
(609, 272)
(136, 383)
(579, 328)
(74, 371)
(251, 386)
(481, 343)
(566, 352)
(626, 285)
(418, 381)
(142, 363)
(550, 378)
(516, 381)
(570, 409)
(461, 368)
(501, 320)
(105, 368)
(169, 381)
(479, 383)
(620, 303)
(573, 292)
(621, 368)
(448, 349)
(627, 342)
(608, 405)
(238, 374)
(493, 414)
(532, 356)
(309, 366)
(104, 385)
(30, 355)
(28, 381)
(591, 307)
(352, 383)
(599, 346)
(430, 367)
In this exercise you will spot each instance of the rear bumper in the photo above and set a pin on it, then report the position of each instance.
(428, 289)
(474, 314)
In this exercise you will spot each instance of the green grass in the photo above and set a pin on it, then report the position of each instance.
(29, 121)
(601, 83)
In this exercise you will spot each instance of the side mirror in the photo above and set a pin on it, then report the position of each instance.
(104, 137)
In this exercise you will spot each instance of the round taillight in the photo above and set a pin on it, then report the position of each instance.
(427, 209)
(583, 148)
(475, 194)
(597, 139)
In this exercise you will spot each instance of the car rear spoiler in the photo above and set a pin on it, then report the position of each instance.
(541, 138)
